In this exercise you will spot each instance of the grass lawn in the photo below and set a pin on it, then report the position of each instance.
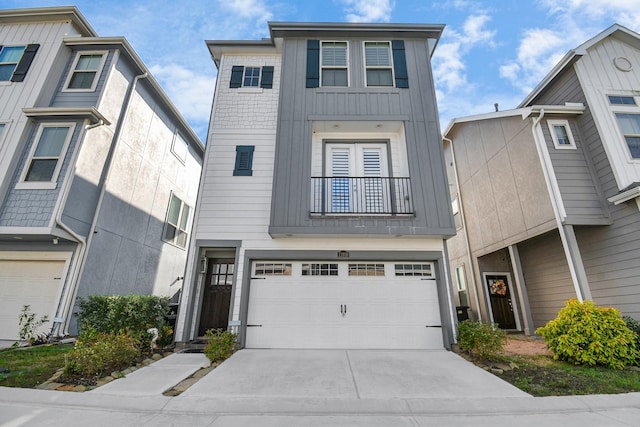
(30, 366)
(543, 376)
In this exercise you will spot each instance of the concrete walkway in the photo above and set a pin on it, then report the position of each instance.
(355, 388)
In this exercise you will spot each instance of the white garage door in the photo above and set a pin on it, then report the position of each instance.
(34, 283)
(367, 305)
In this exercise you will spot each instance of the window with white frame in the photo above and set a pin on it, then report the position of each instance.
(630, 127)
(457, 218)
(625, 109)
(273, 269)
(461, 283)
(334, 64)
(414, 270)
(47, 155)
(180, 148)
(177, 224)
(2, 126)
(251, 77)
(561, 134)
(85, 71)
(378, 63)
(9, 58)
(319, 269)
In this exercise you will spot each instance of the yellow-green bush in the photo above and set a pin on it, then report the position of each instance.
(585, 334)
(481, 339)
(220, 344)
(97, 353)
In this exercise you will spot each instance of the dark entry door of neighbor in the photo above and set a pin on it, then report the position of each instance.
(217, 295)
(500, 298)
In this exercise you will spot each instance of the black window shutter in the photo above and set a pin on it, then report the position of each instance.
(400, 64)
(313, 63)
(244, 160)
(266, 81)
(236, 76)
(25, 62)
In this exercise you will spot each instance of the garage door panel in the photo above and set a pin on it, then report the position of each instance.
(344, 311)
(26, 282)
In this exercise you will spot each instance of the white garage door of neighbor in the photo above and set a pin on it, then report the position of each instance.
(354, 305)
(34, 283)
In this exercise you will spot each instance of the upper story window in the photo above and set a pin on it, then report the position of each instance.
(177, 224)
(630, 127)
(15, 61)
(457, 218)
(85, 71)
(180, 148)
(378, 64)
(242, 76)
(561, 134)
(46, 156)
(251, 76)
(627, 114)
(334, 64)
(9, 59)
(621, 100)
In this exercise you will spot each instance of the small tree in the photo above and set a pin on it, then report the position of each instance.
(28, 326)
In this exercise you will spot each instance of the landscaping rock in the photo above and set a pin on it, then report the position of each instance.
(49, 386)
(79, 388)
(202, 372)
(156, 356)
(147, 362)
(497, 371)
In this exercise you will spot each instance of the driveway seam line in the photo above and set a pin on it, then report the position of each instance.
(353, 377)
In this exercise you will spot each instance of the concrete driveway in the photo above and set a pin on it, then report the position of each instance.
(350, 374)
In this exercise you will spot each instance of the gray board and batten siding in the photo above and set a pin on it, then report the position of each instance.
(300, 106)
(610, 253)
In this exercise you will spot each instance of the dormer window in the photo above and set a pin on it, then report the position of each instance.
(85, 71)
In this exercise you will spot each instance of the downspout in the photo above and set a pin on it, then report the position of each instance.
(65, 310)
(556, 201)
(464, 226)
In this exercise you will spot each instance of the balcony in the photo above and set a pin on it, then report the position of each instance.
(361, 196)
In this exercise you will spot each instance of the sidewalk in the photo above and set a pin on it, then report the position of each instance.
(138, 400)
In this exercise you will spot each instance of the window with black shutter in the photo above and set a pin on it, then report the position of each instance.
(313, 63)
(244, 160)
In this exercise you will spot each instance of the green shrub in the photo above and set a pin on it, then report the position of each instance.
(481, 339)
(97, 353)
(220, 344)
(634, 325)
(29, 326)
(122, 312)
(584, 334)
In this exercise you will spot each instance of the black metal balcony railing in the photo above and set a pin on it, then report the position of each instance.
(361, 196)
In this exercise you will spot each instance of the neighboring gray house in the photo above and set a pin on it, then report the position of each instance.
(98, 170)
(547, 197)
(324, 202)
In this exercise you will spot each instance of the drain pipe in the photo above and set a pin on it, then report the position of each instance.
(556, 203)
(65, 310)
(464, 226)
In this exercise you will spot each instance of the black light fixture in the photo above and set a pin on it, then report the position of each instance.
(203, 265)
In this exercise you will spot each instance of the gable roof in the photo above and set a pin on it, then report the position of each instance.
(49, 14)
(623, 33)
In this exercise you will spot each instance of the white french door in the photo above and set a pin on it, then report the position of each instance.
(357, 172)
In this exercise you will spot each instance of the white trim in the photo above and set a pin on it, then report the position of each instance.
(52, 183)
(347, 65)
(620, 198)
(563, 123)
(177, 136)
(96, 78)
(391, 64)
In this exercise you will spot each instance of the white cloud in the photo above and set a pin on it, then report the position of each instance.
(575, 21)
(368, 10)
(449, 68)
(190, 92)
(625, 12)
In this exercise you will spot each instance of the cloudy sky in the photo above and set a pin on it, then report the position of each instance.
(492, 51)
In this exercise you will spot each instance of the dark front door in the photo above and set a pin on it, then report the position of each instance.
(217, 295)
(500, 299)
